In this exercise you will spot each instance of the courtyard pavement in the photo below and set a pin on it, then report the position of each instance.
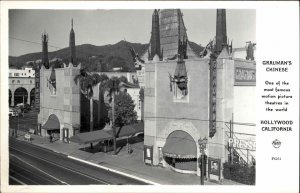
(131, 164)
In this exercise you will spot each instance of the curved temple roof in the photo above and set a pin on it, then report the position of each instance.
(171, 30)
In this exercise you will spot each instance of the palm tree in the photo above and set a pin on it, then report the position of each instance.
(86, 81)
(112, 85)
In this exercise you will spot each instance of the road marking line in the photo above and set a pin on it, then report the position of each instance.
(74, 171)
(40, 170)
(48, 180)
(25, 177)
(115, 171)
(15, 179)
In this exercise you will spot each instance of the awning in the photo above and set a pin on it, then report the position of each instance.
(52, 123)
(180, 144)
(90, 137)
(128, 130)
(101, 135)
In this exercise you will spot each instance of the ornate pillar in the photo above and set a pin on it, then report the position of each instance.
(13, 98)
(28, 97)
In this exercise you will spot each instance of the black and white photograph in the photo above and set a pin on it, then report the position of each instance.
(122, 96)
(108, 105)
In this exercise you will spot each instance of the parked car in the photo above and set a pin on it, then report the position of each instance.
(11, 111)
(14, 112)
(24, 107)
(19, 105)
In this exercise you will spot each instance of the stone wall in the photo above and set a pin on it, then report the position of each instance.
(65, 103)
(164, 115)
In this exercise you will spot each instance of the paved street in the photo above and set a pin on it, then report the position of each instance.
(21, 173)
(30, 164)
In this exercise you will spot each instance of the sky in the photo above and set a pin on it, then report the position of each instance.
(101, 27)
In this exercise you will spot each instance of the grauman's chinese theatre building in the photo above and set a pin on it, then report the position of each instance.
(190, 95)
(57, 95)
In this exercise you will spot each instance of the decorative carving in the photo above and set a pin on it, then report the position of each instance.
(183, 126)
(154, 48)
(180, 75)
(72, 47)
(250, 50)
(182, 49)
(45, 59)
(37, 89)
(180, 78)
(213, 95)
(136, 58)
(52, 82)
(209, 47)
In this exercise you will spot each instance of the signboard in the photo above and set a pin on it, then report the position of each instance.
(244, 76)
(214, 169)
(65, 135)
(242, 144)
(37, 89)
(39, 128)
(31, 131)
(213, 97)
(148, 154)
(27, 137)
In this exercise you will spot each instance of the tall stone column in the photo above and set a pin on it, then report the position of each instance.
(13, 98)
(221, 33)
(28, 98)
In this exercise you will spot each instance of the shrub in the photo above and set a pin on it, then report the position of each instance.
(239, 173)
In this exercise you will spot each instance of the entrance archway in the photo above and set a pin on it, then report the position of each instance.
(20, 95)
(180, 152)
(52, 126)
(32, 96)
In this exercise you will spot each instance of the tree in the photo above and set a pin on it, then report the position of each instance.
(86, 82)
(124, 109)
(112, 85)
(123, 79)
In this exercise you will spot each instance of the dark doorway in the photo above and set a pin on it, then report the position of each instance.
(9, 97)
(32, 96)
(21, 95)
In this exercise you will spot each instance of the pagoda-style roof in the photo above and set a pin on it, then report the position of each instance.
(171, 30)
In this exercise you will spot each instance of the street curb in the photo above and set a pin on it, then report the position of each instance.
(115, 171)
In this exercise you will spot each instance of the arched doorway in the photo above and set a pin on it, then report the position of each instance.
(20, 95)
(32, 96)
(9, 97)
(180, 152)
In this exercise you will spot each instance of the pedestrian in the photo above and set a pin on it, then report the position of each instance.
(51, 138)
(129, 149)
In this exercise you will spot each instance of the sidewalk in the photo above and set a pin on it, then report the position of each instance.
(131, 164)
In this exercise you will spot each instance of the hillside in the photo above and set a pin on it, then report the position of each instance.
(95, 58)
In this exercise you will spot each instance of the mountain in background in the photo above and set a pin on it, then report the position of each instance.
(94, 58)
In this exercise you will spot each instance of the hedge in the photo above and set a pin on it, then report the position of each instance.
(239, 173)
